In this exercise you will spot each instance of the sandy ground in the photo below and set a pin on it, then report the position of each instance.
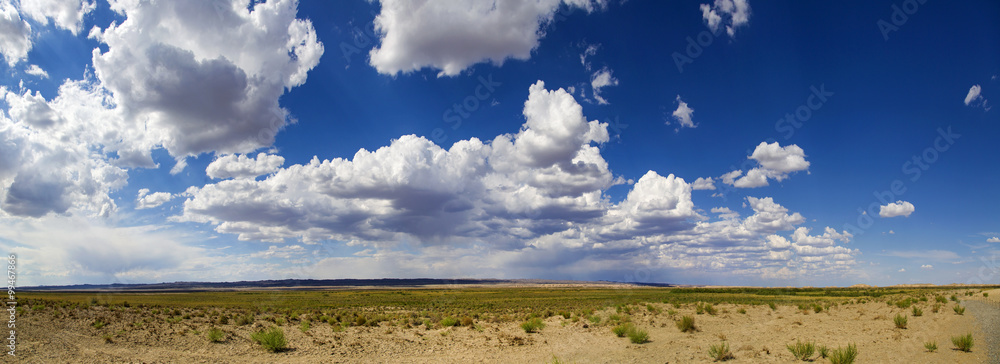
(759, 336)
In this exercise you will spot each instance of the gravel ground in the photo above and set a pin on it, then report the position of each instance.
(988, 316)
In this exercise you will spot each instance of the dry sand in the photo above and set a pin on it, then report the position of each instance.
(759, 336)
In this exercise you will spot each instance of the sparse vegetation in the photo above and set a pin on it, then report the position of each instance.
(844, 355)
(917, 312)
(900, 321)
(215, 335)
(533, 325)
(931, 346)
(272, 339)
(720, 352)
(963, 342)
(637, 335)
(959, 309)
(802, 350)
(98, 324)
(621, 330)
(451, 321)
(686, 324)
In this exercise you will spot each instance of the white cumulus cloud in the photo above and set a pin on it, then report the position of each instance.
(453, 35)
(15, 33)
(147, 200)
(730, 14)
(34, 70)
(241, 166)
(926, 266)
(898, 208)
(602, 79)
(66, 14)
(703, 183)
(993, 240)
(683, 114)
(774, 162)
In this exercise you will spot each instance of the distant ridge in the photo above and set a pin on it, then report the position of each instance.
(315, 284)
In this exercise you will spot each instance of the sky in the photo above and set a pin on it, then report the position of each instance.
(721, 142)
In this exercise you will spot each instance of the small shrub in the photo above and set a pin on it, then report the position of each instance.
(963, 342)
(450, 321)
(940, 299)
(215, 335)
(936, 308)
(720, 352)
(844, 355)
(742, 310)
(304, 326)
(273, 340)
(985, 294)
(533, 325)
(954, 298)
(931, 346)
(824, 351)
(637, 335)
(99, 324)
(772, 306)
(699, 309)
(917, 312)
(802, 350)
(900, 321)
(244, 320)
(621, 330)
(594, 319)
(468, 322)
(107, 338)
(959, 309)
(686, 324)
(711, 310)
(817, 308)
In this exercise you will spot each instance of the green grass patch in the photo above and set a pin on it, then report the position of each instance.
(272, 339)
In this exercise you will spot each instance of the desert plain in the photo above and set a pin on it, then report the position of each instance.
(508, 324)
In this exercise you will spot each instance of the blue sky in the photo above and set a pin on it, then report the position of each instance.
(763, 143)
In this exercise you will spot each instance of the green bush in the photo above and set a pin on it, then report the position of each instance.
(900, 321)
(99, 324)
(304, 326)
(215, 335)
(637, 335)
(844, 355)
(451, 321)
(742, 310)
(940, 299)
(711, 310)
(963, 342)
(917, 312)
(802, 350)
(959, 309)
(936, 308)
(772, 306)
(686, 324)
(621, 330)
(931, 346)
(824, 351)
(272, 340)
(720, 352)
(533, 325)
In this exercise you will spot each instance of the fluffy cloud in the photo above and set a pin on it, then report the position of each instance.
(731, 14)
(993, 240)
(241, 166)
(974, 94)
(34, 70)
(774, 162)
(147, 200)
(602, 79)
(46, 162)
(683, 114)
(189, 76)
(66, 14)
(204, 77)
(453, 35)
(15, 34)
(520, 201)
(703, 183)
(927, 266)
(898, 208)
